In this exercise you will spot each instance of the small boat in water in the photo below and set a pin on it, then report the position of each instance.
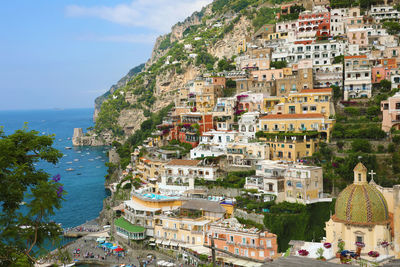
(70, 170)
(76, 159)
(69, 138)
(78, 173)
(91, 159)
(69, 162)
(68, 147)
(78, 151)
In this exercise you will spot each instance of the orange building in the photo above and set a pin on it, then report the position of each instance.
(232, 238)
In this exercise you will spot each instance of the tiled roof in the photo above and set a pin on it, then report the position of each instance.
(358, 56)
(320, 90)
(292, 116)
(184, 162)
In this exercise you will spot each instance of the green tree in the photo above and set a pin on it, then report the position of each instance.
(392, 27)
(20, 181)
(224, 64)
(385, 85)
(338, 59)
(279, 64)
(336, 91)
(361, 145)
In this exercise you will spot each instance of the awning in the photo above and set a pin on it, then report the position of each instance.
(158, 241)
(165, 243)
(152, 244)
(200, 249)
(152, 239)
(175, 244)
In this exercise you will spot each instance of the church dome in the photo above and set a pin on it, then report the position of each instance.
(361, 203)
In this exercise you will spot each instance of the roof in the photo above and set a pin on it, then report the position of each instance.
(358, 56)
(321, 90)
(137, 206)
(292, 116)
(122, 223)
(298, 262)
(361, 204)
(184, 162)
(202, 204)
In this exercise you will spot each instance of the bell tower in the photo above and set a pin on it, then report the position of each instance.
(360, 174)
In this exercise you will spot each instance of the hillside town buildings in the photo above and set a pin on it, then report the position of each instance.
(267, 119)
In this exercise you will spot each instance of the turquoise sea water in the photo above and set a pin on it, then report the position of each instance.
(85, 185)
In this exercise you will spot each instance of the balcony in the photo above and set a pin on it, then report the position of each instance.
(170, 228)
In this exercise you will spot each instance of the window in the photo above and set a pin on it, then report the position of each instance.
(359, 239)
(243, 240)
(236, 251)
(226, 248)
(261, 254)
(231, 238)
(359, 177)
(269, 244)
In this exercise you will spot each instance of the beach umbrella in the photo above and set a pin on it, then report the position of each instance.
(114, 247)
(118, 249)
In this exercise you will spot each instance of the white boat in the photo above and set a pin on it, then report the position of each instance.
(76, 159)
(69, 138)
(70, 170)
(91, 159)
(69, 162)
(79, 152)
(68, 147)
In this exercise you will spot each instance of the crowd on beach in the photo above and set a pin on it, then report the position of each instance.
(83, 229)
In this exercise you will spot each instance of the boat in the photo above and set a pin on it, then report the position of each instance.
(76, 159)
(69, 162)
(91, 159)
(79, 173)
(78, 151)
(88, 153)
(70, 170)
(69, 138)
(68, 147)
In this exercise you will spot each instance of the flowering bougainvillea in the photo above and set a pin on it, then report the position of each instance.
(374, 254)
(303, 252)
(327, 245)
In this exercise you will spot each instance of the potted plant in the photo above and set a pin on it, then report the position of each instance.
(320, 253)
(360, 246)
(340, 248)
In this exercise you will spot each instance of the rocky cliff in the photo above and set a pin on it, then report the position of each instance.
(193, 47)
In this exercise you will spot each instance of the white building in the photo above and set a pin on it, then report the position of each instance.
(288, 182)
(248, 124)
(380, 13)
(213, 144)
(357, 83)
(179, 175)
(327, 75)
(338, 21)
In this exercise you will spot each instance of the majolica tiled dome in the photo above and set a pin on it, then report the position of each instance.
(361, 204)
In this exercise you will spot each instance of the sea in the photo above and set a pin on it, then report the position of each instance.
(84, 184)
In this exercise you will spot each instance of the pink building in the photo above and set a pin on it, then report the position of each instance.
(391, 113)
(251, 102)
(358, 36)
(267, 75)
(380, 73)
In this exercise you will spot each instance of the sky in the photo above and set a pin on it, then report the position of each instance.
(65, 53)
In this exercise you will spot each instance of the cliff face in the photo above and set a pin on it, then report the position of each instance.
(148, 88)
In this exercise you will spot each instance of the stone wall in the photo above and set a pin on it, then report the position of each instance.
(258, 218)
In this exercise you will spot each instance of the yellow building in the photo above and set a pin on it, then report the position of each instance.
(310, 101)
(150, 169)
(241, 46)
(207, 97)
(291, 149)
(297, 123)
(367, 213)
(187, 227)
(276, 36)
(270, 102)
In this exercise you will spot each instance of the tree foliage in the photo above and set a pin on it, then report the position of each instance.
(20, 181)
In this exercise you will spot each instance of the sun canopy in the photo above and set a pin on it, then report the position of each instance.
(118, 249)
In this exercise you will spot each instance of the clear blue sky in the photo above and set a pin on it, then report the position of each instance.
(64, 53)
